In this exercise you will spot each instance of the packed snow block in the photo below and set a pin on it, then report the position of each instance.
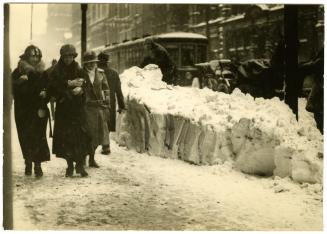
(223, 148)
(157, 134)
(214, 147)
(189, 146)
(179, 128)
(283, 161)
(207, 145)
(200, 126)
(307, 167)
(122, 135)
(138, 126)
(254, 150)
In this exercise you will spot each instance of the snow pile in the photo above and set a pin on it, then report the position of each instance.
(205, 127)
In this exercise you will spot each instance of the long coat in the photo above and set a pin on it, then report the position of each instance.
(115, 94)
(70, 138)
(96, 108)
(31, 128)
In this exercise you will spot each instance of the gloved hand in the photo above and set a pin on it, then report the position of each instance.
(42, 113)
(43, 94)
(78, 82)
(77, 91)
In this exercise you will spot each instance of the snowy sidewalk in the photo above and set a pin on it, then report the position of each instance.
(132, 191)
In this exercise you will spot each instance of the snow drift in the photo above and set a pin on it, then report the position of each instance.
(204, 127)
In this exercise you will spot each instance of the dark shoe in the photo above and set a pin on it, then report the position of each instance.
(80, 170)
(105, 151)
(92, 163)
(38, 170)
(70, 168)
(69, 171)
(28, 168)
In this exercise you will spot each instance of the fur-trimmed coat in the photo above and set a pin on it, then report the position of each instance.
(70, 138)
(31, 128)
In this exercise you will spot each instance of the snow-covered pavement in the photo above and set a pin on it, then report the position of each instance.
(132, 191)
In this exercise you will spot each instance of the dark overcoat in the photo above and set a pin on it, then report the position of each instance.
(116, 94)
(31, 128)
(70, 138)
(96, 108)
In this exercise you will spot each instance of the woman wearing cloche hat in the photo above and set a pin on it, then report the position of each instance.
(31, 112)
(67, 86)
(97, 103)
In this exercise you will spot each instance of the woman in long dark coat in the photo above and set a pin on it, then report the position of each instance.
(31, 112)
(70, 139)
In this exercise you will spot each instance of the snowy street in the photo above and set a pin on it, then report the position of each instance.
(132, 191)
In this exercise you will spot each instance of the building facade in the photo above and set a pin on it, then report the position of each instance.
(234, 31)
(59, 25)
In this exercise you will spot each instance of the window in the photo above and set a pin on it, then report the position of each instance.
(173, 53)
(201, 54)
(187, 55)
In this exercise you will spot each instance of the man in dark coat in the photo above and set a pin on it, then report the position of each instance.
(315, 102)
(66, 85)
(157, 54)
(115, 94)
(31, 112)
(97, 103)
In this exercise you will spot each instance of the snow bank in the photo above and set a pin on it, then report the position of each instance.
(205, 127)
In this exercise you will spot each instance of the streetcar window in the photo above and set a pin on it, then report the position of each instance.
(201, 54)
(173, 53)
(187, 55)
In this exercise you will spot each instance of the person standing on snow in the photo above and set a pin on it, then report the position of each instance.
(97, 103)
(115, 94)
(31, 112)
(157, 54)
(70, 139)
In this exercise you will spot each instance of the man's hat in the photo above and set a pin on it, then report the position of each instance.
(89, 57)
(68, 49)
(103, 57)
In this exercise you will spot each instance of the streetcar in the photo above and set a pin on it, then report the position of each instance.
(186, 49)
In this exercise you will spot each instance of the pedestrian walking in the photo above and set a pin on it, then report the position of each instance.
(67, 86)
(31, 112)
(157, 54)
(116, 95)
(97, 103)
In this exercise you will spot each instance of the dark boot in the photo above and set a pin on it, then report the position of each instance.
(80, 169)
(92, 162)
(37, 169)
(28, 168)
(70, 168)
(105, 150)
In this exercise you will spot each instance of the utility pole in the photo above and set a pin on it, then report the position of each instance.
(291, 57)
(207, 18)
(7, 180)
(83, 30)
(31, 35)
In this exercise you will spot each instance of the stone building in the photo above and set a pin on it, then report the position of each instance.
(234, 31)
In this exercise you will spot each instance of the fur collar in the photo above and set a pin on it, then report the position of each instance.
(25, 68)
